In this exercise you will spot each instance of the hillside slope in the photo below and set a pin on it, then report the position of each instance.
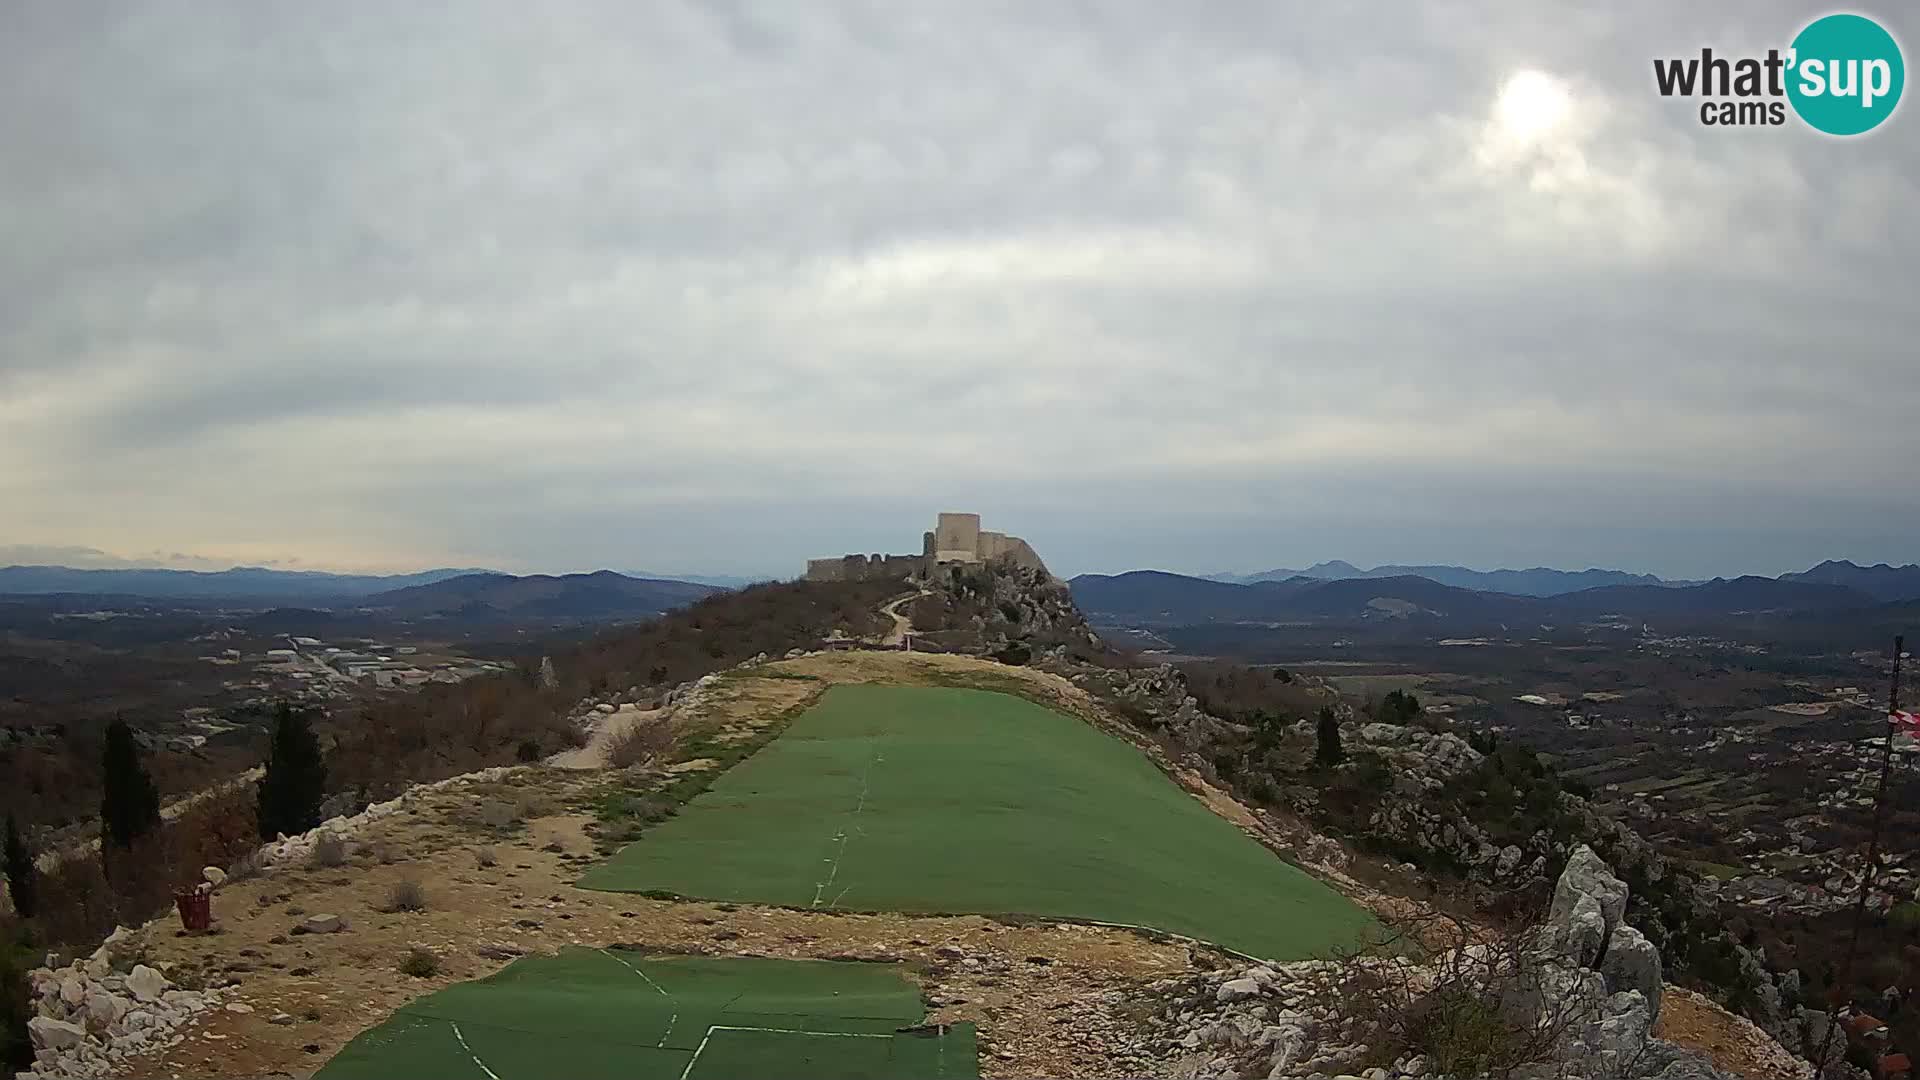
(1880, 581)
(1157, 598)
(599, 595)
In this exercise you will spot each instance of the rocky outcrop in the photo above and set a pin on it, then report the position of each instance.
(988, 606)
(1588, 976)
(93, 1014)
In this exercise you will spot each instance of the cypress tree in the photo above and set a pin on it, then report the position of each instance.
(296, 777)
(21, 883)
(1329, 752)
(129, 803)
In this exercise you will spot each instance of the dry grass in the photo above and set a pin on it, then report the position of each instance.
(639, 744)
(420, 963)
(485, 858)
(406, 895)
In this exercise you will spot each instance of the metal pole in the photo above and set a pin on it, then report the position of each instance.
(1879, 815)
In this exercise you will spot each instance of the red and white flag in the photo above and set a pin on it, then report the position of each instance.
(1904, 722)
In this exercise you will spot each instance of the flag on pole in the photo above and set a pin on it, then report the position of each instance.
(1906, 722)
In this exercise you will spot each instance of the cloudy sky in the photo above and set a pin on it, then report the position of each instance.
(713, 287)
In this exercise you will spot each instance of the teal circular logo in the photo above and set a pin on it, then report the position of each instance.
(1846, 74)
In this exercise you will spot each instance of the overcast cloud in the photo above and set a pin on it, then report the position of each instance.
(712, 287)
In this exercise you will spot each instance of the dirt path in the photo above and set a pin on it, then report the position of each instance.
(902, 624)
(593, 755)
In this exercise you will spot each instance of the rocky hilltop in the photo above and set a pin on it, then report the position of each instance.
(1415, 792)
(1565, 979)
(1584, 979)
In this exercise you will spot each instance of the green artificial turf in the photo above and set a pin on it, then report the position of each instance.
(622, 1015)
(946, 800)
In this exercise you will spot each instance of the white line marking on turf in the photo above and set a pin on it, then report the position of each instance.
(688, 1071)
(671, 1020)
(470, 1053)
(866, 784)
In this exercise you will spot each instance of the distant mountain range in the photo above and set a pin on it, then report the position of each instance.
(1880, 581)
(1539, 581)
(444, 592)
(239, 583)
(602, 595)
(1172, 599)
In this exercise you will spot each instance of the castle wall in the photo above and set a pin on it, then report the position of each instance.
(826, 570)
(955, 538)
(995, 545)
(864, 567)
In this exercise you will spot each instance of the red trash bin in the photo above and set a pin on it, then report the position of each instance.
(196, 909)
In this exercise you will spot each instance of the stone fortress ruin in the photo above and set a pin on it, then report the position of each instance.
(955, 538)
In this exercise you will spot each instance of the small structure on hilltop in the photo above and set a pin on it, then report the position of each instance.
(954, 538)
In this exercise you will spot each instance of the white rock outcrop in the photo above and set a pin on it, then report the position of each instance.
(1586, 969)
(95, 1013)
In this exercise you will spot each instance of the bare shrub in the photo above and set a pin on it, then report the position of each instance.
(406, 895)
(247, 866)
(640, 744)
(530, 805)
(76, 905)
(1473, 999)
(382, 852)
(329, 851)
(420, 963)
(495, 814)
(485, 858)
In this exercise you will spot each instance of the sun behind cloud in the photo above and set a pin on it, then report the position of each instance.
(1531, 106)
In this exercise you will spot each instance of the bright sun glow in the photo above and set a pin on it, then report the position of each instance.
(1531, 105)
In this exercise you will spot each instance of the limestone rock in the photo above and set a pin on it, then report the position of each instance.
(1237, 989)
(1583, 931)
(146, 984)
(1385, 734)
(105, 1008)
(1587, 874)
(322, 924)
(213, 876)
(1509, 860)
(1633, 963)
(54, 1034)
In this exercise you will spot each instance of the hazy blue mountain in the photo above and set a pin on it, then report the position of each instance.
(1171, 599)
(602, 595)
(718, 581)
(239, 583)
(1538, 581)
(1880, 581)
(1720, 596)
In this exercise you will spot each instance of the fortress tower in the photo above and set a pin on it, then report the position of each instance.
(955, 538)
